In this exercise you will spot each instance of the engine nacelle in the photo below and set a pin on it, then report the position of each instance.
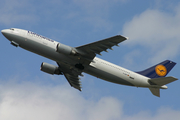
(51, 69)
(61, 48)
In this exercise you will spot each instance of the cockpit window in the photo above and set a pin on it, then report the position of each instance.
(12, 29)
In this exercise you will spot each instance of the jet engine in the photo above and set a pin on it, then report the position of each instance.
(51, 69)
(67, 50)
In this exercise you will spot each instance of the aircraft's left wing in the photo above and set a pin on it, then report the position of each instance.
(86, 54)
(90, 50)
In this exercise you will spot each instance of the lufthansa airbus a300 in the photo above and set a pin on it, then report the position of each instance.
(72, 61)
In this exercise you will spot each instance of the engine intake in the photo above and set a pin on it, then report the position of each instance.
(61, 48)
(51, 69)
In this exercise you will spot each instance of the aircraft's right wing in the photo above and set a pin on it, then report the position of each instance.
(72, 75)
(86, 54)
(73, 80)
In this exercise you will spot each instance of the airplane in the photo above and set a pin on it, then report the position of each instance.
(73, 61)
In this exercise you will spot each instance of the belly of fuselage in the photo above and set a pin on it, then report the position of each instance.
(106, 76)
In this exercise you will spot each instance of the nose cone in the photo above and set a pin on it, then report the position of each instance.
(4, 32)
(8, 34)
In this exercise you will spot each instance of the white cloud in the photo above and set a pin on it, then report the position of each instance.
(161, 114)
(27, 100)
(32, 101)
(156, 31)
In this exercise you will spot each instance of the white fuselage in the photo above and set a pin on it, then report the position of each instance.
(98, 68)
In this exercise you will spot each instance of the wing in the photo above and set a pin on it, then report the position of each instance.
(72, 75)
(73, 80)
(86, 54)
(90, 50)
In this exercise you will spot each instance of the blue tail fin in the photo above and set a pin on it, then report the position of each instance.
(159, 70)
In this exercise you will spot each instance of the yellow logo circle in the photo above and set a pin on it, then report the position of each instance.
(161, 70)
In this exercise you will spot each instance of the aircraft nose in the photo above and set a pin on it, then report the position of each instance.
(7, 34)
(4, 32)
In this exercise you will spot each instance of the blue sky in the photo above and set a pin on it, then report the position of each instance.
(153, 28)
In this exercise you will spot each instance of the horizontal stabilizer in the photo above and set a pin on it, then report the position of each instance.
(155, 91)
(163, 80)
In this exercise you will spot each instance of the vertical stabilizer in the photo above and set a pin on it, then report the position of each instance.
(157, 75)
(159, 70)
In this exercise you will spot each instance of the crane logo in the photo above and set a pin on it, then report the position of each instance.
(161, 70)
